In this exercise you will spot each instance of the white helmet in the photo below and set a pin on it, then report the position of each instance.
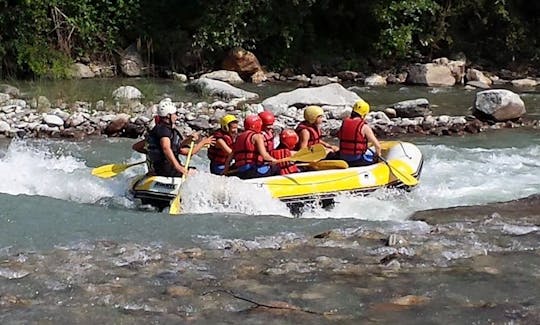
(166, 107)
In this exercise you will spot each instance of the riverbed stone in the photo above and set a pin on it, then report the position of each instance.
(4, 127)
(524, 83)
(430, 74)
(412, 108)
(227, 76)
(81, 71)
(14, 92)
(127, 93)
(333, 94)
(375, 80)
(472, 85)
(131, 62)
(219, 88)
(242, 61)
(322, 80)
(477, 75)
(53, 120)
(4, 98)
(498, 104)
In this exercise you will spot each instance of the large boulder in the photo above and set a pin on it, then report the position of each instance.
(498, 105)
(227, 76)
(333, 95)
(430, 74)
(131, 62)
(477, 75)
(126, 93)
(219, 88)
(81, 71)
(242, 61)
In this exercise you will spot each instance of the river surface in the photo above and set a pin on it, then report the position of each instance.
(76, 249)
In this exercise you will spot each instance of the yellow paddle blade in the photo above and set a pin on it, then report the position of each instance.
(111, 170)
(175, 207)
(399, 171)
(313, 153)
(327, 164)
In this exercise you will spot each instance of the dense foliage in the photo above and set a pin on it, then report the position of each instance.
(43, 37)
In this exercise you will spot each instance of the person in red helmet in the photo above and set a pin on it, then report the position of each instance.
(287, 141)
(249, 152)
(268, 120)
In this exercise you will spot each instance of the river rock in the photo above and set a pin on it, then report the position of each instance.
(10, 90)
(76, 119)
(347, 75)
(81, 71)
(476, 75)
(231, 77)
(321, 80)
(242, 61)
(127, 93)
(498, 104)
(412, 108)
(258, 77)
(475, 84)
(219, 88)
(375, 80)
(53, 120)
(4, 98)
(131, 62)
(118, 124)
(4, 127)
(430, 74)
(43, 104)
(524, 83)
(333, 94)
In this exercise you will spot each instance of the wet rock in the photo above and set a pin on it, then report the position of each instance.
(430, 74)
(524, 83)
(10, 274)
(179, 291)
(375, 80)
(498, 104)
(231, 77)
(474, 75)
(412, 108)
(321, 80)
(9, 300)
(219, 88)
(4, 127)
(258, 77)
(53, 120)
(347, 75)
(410, 300)
(476, 85)
(118, 124)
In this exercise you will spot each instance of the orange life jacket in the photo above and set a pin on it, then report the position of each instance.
(245, 152)
(215, 153)
(287, 167)
(351, 140)
(314, 134)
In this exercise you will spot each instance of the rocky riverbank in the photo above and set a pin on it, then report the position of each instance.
(129, 117)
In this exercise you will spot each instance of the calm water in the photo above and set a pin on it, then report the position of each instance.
(75, 249)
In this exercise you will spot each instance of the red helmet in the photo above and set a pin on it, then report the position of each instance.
(288, 138)
(254, 123)
(267, 117)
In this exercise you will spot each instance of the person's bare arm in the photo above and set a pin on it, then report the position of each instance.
(329, 146)
(303, 138)
(165, 143)
(261, 147)
(220, 143)
(368, 133)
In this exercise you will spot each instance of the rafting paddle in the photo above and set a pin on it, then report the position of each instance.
(111, 170)
(311, 154)
(326, 164)
(407, 179)
(175, 204)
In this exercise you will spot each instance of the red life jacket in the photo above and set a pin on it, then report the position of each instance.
(245, 151)
(314, 134)
(268, 140)
(215, 153)
(287, 167)
(351, 140)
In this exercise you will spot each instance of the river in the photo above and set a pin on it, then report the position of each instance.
(75, 249)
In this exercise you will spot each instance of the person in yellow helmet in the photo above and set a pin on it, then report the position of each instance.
(354, 135)
(225, 137)
(309, 131)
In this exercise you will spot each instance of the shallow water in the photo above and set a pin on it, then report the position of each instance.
(76, 249)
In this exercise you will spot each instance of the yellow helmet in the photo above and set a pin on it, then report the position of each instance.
(312, 112)
(361, 107)
(226, 120)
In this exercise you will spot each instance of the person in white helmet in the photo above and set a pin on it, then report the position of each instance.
(164, 143)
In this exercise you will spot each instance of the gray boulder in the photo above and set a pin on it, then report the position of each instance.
(430, 74)
(498, 104)
(219, 88)
(131, 62)
(333, 94)
(227, 76)
(81, 71)
(412, 108)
